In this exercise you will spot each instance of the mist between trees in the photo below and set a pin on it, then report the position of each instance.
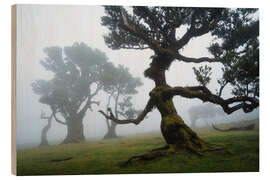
(80, 80)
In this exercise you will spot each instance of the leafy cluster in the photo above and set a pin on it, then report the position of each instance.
(203, 74)
(238, 48)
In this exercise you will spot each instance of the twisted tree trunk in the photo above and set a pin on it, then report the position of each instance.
(176, 133)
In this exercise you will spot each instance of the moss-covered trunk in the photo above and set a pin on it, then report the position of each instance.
(176, 133)
(174, 130)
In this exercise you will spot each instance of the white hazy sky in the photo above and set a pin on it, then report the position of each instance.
(41, 26)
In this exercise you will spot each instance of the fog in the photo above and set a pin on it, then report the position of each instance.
(45, 26)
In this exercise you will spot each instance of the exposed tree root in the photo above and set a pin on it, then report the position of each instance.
(155, 153)
(166, 151)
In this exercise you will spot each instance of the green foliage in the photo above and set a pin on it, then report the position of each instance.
(238, 48)
(158, 23)
(104, 156)
(203, 74)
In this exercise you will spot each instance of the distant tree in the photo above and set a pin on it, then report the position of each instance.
(119, 84)
(45, 129)
(156, 28)
(204, 111)
(74, 84)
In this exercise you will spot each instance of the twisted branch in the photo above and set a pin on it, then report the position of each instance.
(57, 120)
(196, 60)
(246, 103)
(140, 118)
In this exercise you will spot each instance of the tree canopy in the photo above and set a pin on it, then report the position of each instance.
(235, 46)
(75, 81)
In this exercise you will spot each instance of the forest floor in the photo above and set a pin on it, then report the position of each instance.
(103, 157)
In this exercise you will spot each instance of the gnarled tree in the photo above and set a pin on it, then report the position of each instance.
(155, 28)
(119, 84)
(74, 84)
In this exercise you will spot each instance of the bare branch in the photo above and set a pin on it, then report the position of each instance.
(137, 48)
(246, 103)
(222, 87)
(196, 60)
(147, 109)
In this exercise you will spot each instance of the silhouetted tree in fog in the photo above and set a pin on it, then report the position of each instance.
(204, 111)
(75, 83)
(119, 84)
(155, 28)
(45, 129)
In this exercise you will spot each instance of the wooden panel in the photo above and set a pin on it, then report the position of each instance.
(13, 88)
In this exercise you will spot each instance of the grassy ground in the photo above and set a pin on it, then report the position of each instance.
(101, 157)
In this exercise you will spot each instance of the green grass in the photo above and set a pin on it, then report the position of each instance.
(103, 157)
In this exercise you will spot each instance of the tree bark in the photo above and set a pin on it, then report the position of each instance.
(74, 130)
